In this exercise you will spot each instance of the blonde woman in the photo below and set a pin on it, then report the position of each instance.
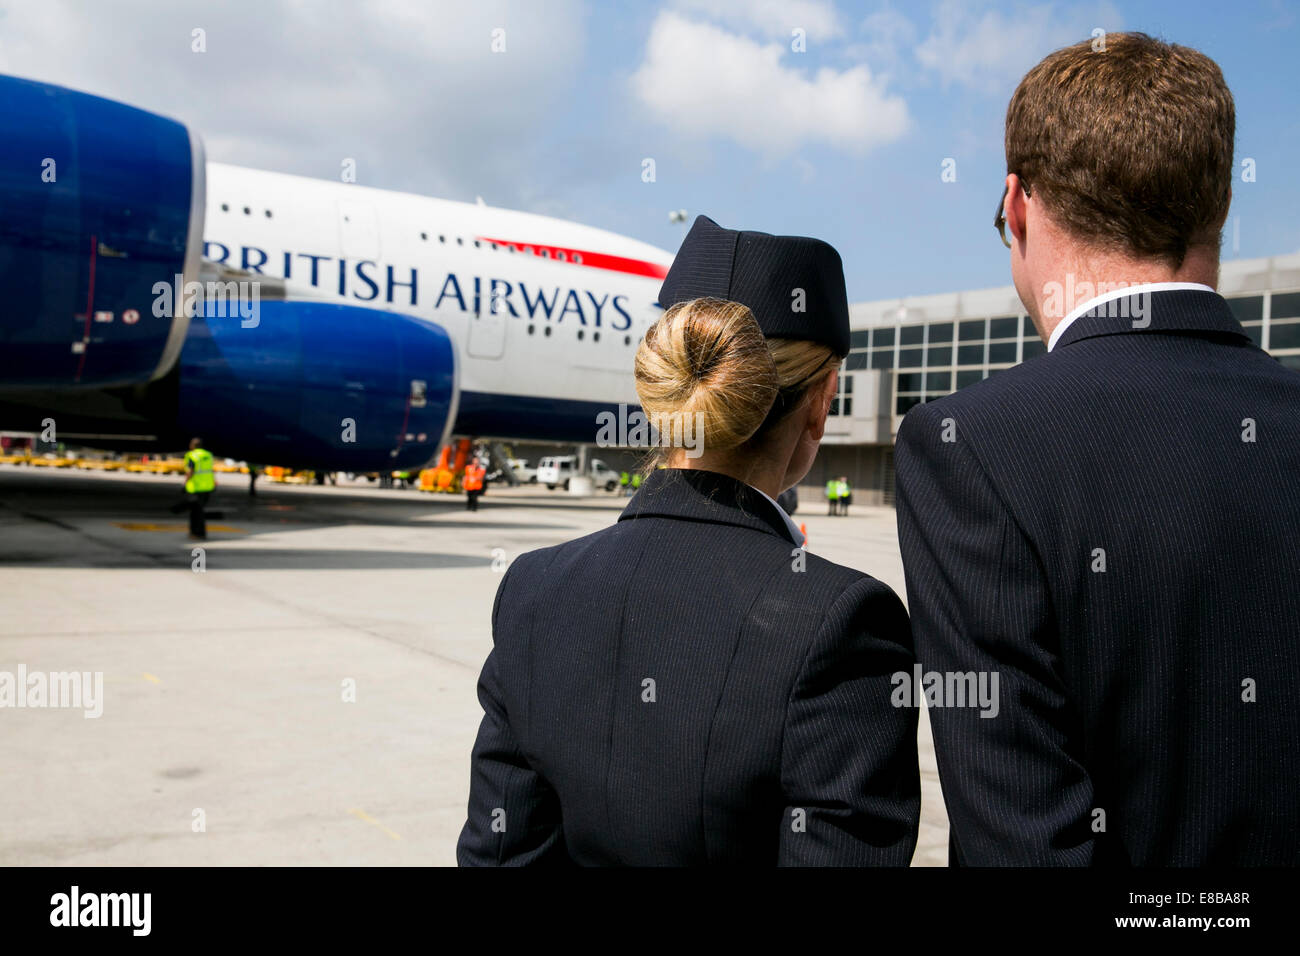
(689, 686)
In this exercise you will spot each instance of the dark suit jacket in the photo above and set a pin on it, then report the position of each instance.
(1100, 534)
(669, 691)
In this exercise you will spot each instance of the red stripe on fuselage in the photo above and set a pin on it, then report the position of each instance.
(585, 257)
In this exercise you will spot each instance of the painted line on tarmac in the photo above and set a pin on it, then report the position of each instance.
(150, 526)
(362, 815)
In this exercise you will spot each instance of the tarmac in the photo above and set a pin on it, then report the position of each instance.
(299, 691)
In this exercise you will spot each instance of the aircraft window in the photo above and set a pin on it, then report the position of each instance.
(577, 257)
(595, 336)
(424, 235)
(494, 246)
(268, 214)
(512, 248)
(460, 241)
(627, 340)
(247, 211)
(546, 253)
(442, 238)
(561, 256)
(579, 335)
(225, 207)
(477, 244)
(548, 330)
(530, 329)
(530, 250)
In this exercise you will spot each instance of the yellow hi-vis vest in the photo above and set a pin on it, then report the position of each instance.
(200, 459)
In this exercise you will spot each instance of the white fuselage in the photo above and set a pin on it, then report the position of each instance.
(571, 301)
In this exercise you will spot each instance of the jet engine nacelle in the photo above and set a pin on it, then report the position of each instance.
(101, 202)
(317, 385)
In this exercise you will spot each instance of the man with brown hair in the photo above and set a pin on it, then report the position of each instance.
(1111, 528)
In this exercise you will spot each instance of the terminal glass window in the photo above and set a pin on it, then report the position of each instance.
(1033, 347)
(971, 331)
(856, 360)
(1285, 306)
(969, 377)
(882, 358)
(970, 355)
(910, 358)
(936, 381)
(939, 355)
(906, 402)
(941, 332)
(1002, 353)
(1256, 331)
(882, 337)
(860, 340)
(911, 335)
(1004, 328)
(1284, 336)
(1248, 308)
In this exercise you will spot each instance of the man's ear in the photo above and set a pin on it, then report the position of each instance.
(820, 406)
(1016, 208)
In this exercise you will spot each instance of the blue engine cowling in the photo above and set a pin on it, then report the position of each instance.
(317, 385)
(101, 201)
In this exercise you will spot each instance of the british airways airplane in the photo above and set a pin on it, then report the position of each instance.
(149, 296)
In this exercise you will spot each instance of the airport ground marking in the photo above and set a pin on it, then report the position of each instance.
(151, 526)
(367, 818)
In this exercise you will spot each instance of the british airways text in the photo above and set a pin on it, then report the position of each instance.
(368, 281)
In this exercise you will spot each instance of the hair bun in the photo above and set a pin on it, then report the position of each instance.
(706, 365)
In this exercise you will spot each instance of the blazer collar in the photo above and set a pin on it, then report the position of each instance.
(695, 495)
(1187, 310)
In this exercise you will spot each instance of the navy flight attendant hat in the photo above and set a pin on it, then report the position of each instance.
(794, 285)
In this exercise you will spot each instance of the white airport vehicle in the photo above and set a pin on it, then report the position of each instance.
(556, 471)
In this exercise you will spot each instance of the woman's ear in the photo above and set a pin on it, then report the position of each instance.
(820, 405)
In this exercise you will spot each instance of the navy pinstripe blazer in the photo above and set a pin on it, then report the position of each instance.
(669, 691)
(1115, 529)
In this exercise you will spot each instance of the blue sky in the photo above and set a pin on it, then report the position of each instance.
(899, 228)
(843, 141)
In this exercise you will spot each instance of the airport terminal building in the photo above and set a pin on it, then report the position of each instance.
(919, 348)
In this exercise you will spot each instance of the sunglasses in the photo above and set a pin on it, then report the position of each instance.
(1000, 217)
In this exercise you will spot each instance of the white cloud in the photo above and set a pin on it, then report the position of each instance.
(889, 35)
(704, 81)
(774, 19)
(990, 50)
(411, 90)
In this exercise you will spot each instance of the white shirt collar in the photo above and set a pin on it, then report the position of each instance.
(1097, 300)
(789, 522)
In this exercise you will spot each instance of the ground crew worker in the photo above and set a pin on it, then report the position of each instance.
(846, 494)
(833, 496)
(624, 480)
(473, 484)
(200, 482)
